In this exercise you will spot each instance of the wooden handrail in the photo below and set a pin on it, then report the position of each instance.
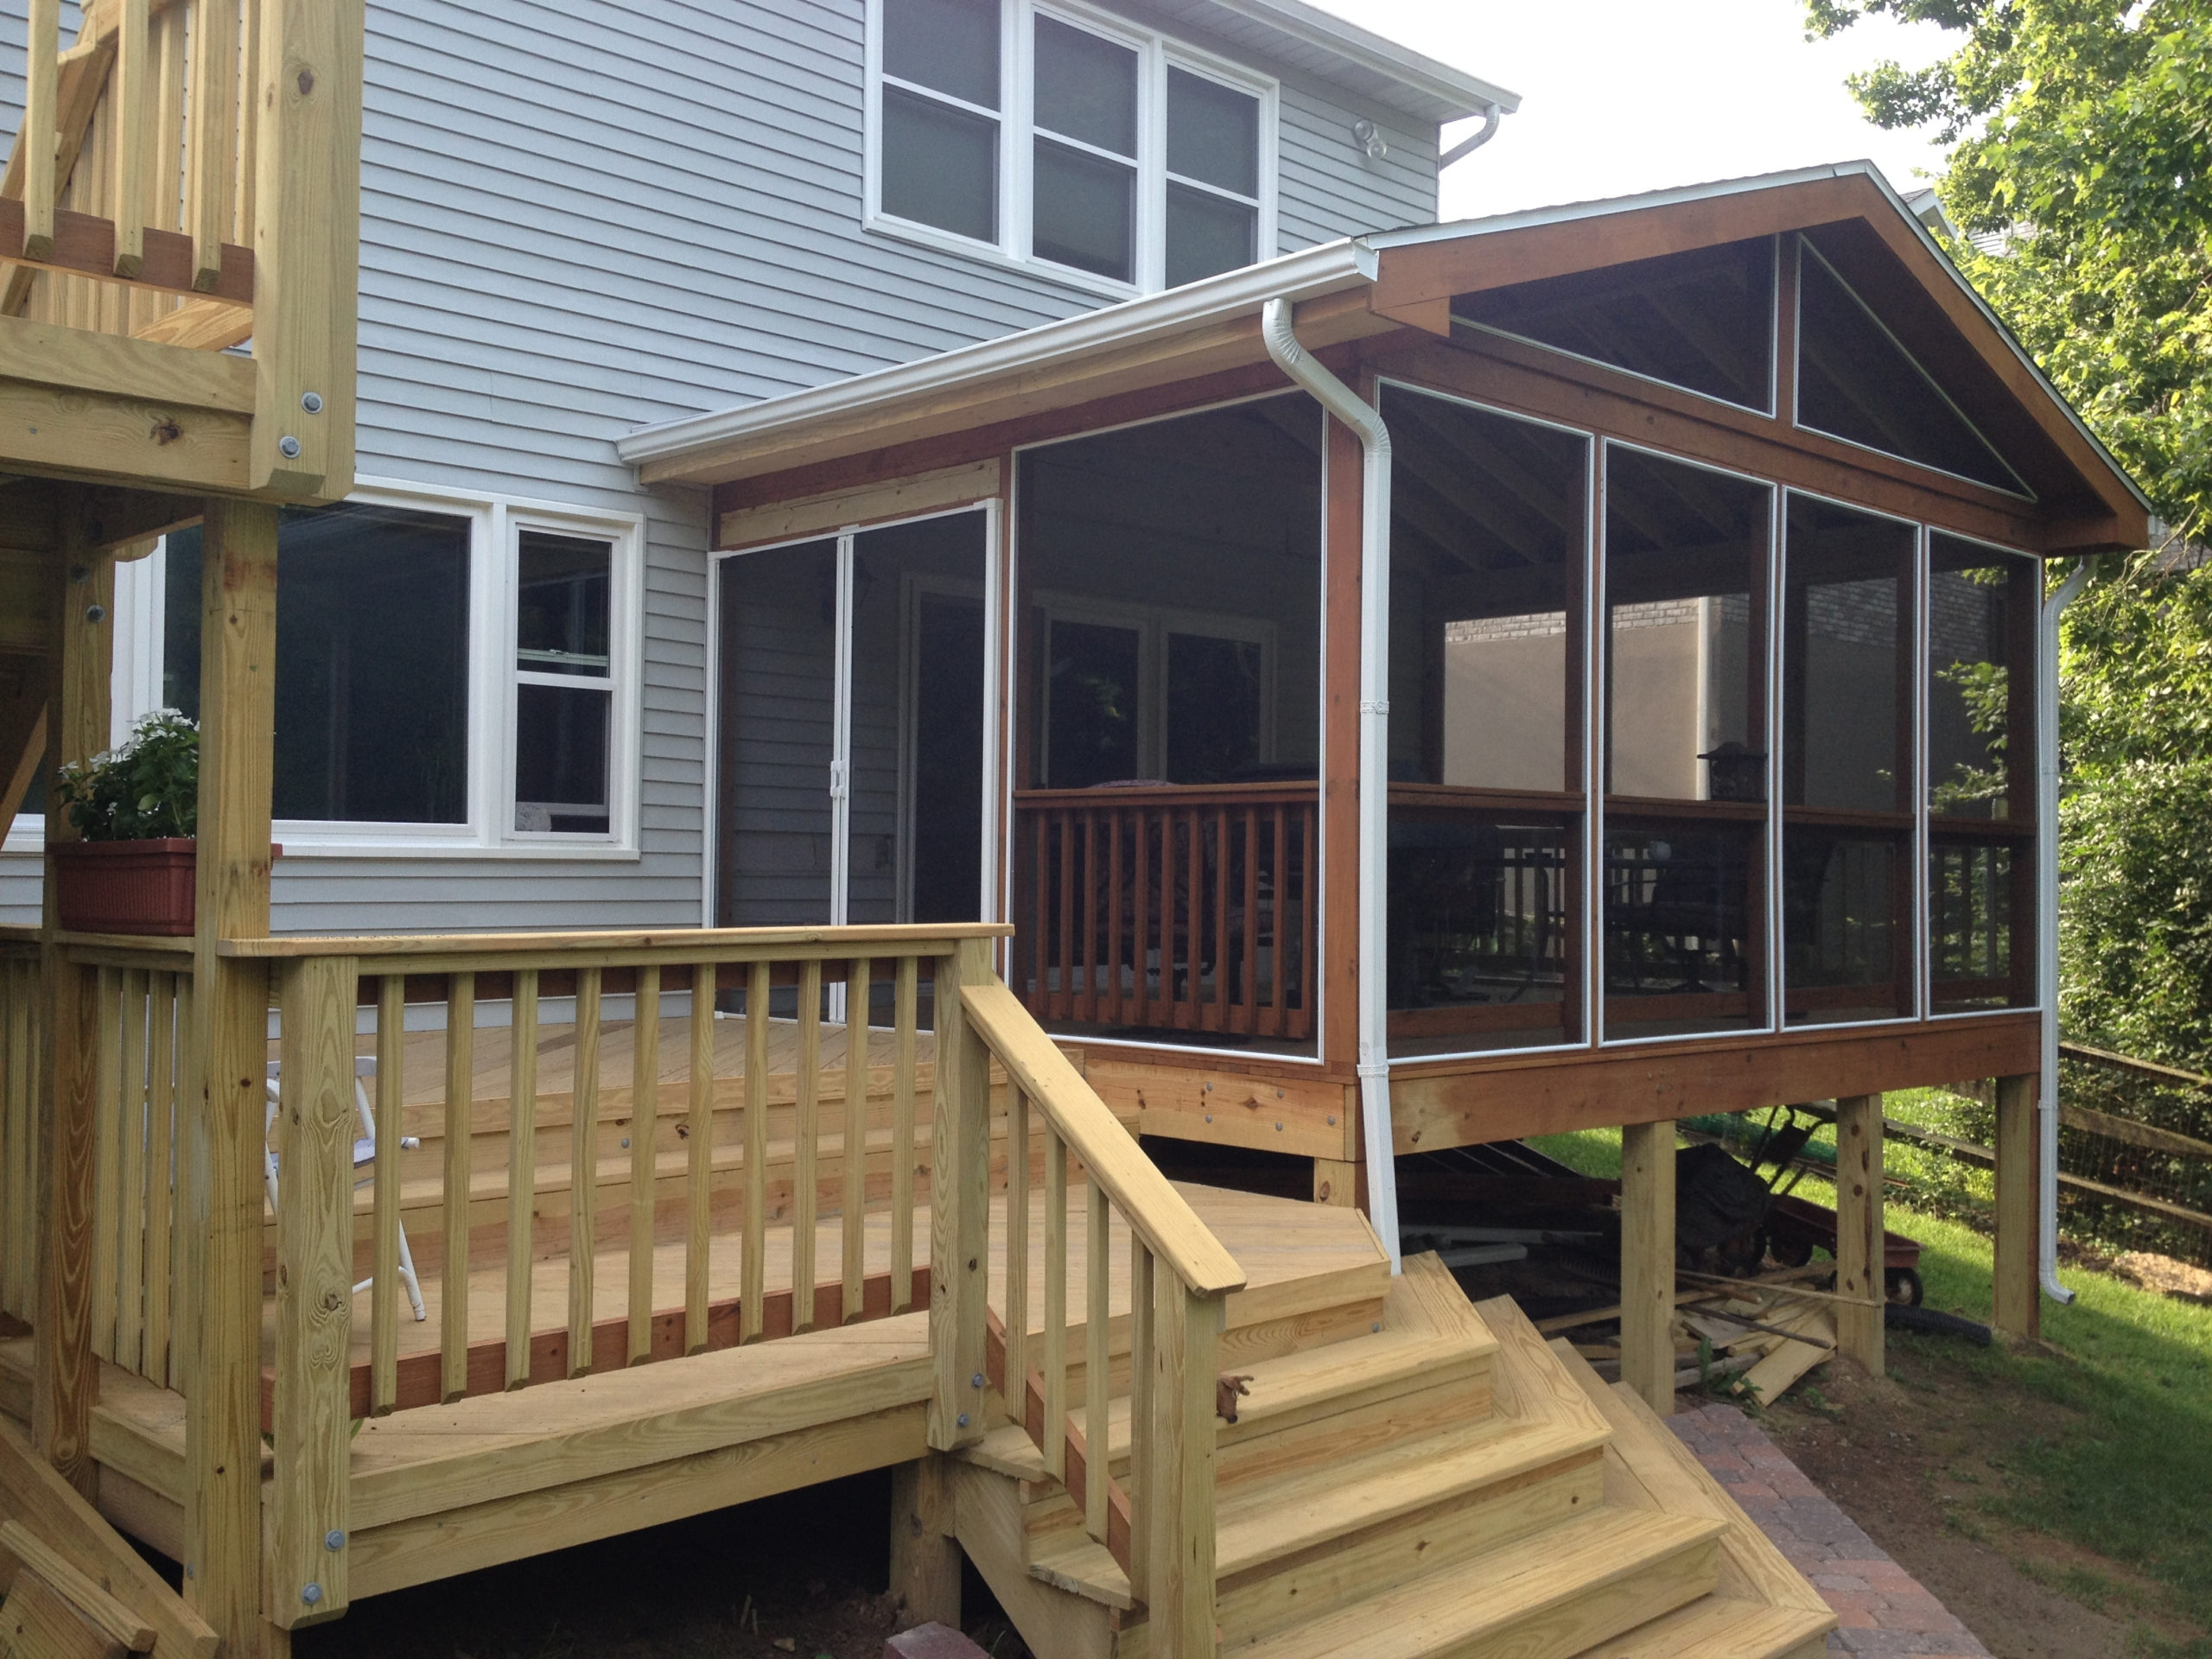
(616, 947)
(1169, 1227)
(1149, 794)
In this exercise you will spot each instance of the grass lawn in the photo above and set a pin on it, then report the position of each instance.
(2120, 1465)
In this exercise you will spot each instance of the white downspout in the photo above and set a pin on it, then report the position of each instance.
(1373, 944)
(1492, 113)
(2047, 926)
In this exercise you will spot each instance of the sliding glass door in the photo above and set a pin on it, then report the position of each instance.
(852, 750)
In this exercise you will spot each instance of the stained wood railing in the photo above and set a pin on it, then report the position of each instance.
(1185, 908)
(1156, 1518)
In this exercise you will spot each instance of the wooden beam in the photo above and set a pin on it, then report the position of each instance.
(202, 325)
(817, 515)
(49, 355)
(314, 1294)
(1648, 1263)
(120, 518)
(108, 437)
(222, 1211)
(65, 1377)
(2017, 1291)
(1342, 557)
(1858, 1251)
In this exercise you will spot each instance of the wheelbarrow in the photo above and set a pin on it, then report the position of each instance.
(1795, 1226)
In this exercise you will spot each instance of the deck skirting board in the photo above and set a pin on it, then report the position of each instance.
(536, 1523)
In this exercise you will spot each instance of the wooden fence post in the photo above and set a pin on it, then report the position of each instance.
(960, 1202)
(1858, 1249)
(314, 1292)
(1180, 1602)
(65, 1379)
(2018, 1310)
(228, 1110)
(1648, 1262)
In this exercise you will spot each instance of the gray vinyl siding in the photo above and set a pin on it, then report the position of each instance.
(581, 217)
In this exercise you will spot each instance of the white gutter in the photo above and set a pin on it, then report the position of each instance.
(1329, 269)
(1468, 146)
(2047, 927)
(1373, 943)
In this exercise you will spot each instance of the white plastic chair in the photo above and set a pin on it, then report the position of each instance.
(364, 1157)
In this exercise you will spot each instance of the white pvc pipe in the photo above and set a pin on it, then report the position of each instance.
(2047, 928)
(1373, 944)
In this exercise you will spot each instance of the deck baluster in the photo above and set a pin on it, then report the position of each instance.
(699, 1187)
(753, 1286)
(1056, 1304)
(161, 1141)
(855, 1201)
(1141, 1485)
(1097, 1357)
(461, 1124)
(902, 1139)
(384, 1291)
(805, 1206)
(1017, 1250)
(583, 1174)
(107, 1151)
(645, 1125)
(131, 1284)
(522, 1174)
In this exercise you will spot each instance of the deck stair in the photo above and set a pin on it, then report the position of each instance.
(1434, 1481)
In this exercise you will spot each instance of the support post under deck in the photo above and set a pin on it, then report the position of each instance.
(1648, 1262)
(1858, 1245)
(2018, 1300)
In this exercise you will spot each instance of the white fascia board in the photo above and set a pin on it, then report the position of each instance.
(1309, 274)
(1466, 94)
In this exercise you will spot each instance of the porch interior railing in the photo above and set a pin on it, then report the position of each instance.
(1185, 908)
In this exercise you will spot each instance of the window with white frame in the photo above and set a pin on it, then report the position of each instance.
(453, 671)
(1068, 140)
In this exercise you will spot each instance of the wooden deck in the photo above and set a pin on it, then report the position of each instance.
(445, 1488)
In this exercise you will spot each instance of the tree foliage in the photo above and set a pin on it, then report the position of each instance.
(2080, 155)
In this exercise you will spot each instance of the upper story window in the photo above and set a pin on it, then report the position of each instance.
(1106, 155)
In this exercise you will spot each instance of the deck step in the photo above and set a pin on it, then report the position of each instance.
(1720, 1627)
(1550, 1596)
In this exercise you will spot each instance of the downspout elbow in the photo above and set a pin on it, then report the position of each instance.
(1492, 114)
(2047, 934)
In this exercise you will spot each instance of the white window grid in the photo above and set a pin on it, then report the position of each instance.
(1018, 132)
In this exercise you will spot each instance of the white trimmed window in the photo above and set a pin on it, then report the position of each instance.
(1065, 140)
(457, 674)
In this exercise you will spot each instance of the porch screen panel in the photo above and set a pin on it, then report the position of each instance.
(1165, 829)
(778, 705)
(918, 639)
(1489, 621)
(1846, 765)
(372, 640)
(1983, 606)
(1685, 753)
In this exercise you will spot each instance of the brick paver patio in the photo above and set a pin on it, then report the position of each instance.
(1883, 1608)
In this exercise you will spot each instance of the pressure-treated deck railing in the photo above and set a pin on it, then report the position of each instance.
(1158, 1519)
(21, 1009)
(1188, 908)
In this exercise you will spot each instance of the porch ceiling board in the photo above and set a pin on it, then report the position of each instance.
(1391, 283)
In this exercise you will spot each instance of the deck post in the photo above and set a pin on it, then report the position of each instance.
(960, 1204)
(1859, 1248)
(1648, 1262)
(66, 1377)
(310, 1513)
(924, 1557)
(2017, 1298)
(224, 1129)
(1181, 1596)
(1340, 1184)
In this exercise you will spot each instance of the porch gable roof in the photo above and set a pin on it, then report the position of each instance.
(1374, 284)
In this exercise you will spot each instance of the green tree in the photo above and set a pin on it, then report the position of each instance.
(2080, 135)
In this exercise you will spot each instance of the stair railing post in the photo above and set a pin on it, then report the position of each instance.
(1187, 1332)
(960, 1204)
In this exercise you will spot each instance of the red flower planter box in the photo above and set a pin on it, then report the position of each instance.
(124, 886)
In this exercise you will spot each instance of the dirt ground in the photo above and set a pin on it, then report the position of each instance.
(802, 1575)
(1906, 1457)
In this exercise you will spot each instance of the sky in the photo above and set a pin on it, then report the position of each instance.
(1621, 96)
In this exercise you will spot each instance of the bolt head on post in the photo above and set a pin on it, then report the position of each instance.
(289, 447)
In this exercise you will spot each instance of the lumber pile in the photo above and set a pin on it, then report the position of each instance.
(1756, 1337)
